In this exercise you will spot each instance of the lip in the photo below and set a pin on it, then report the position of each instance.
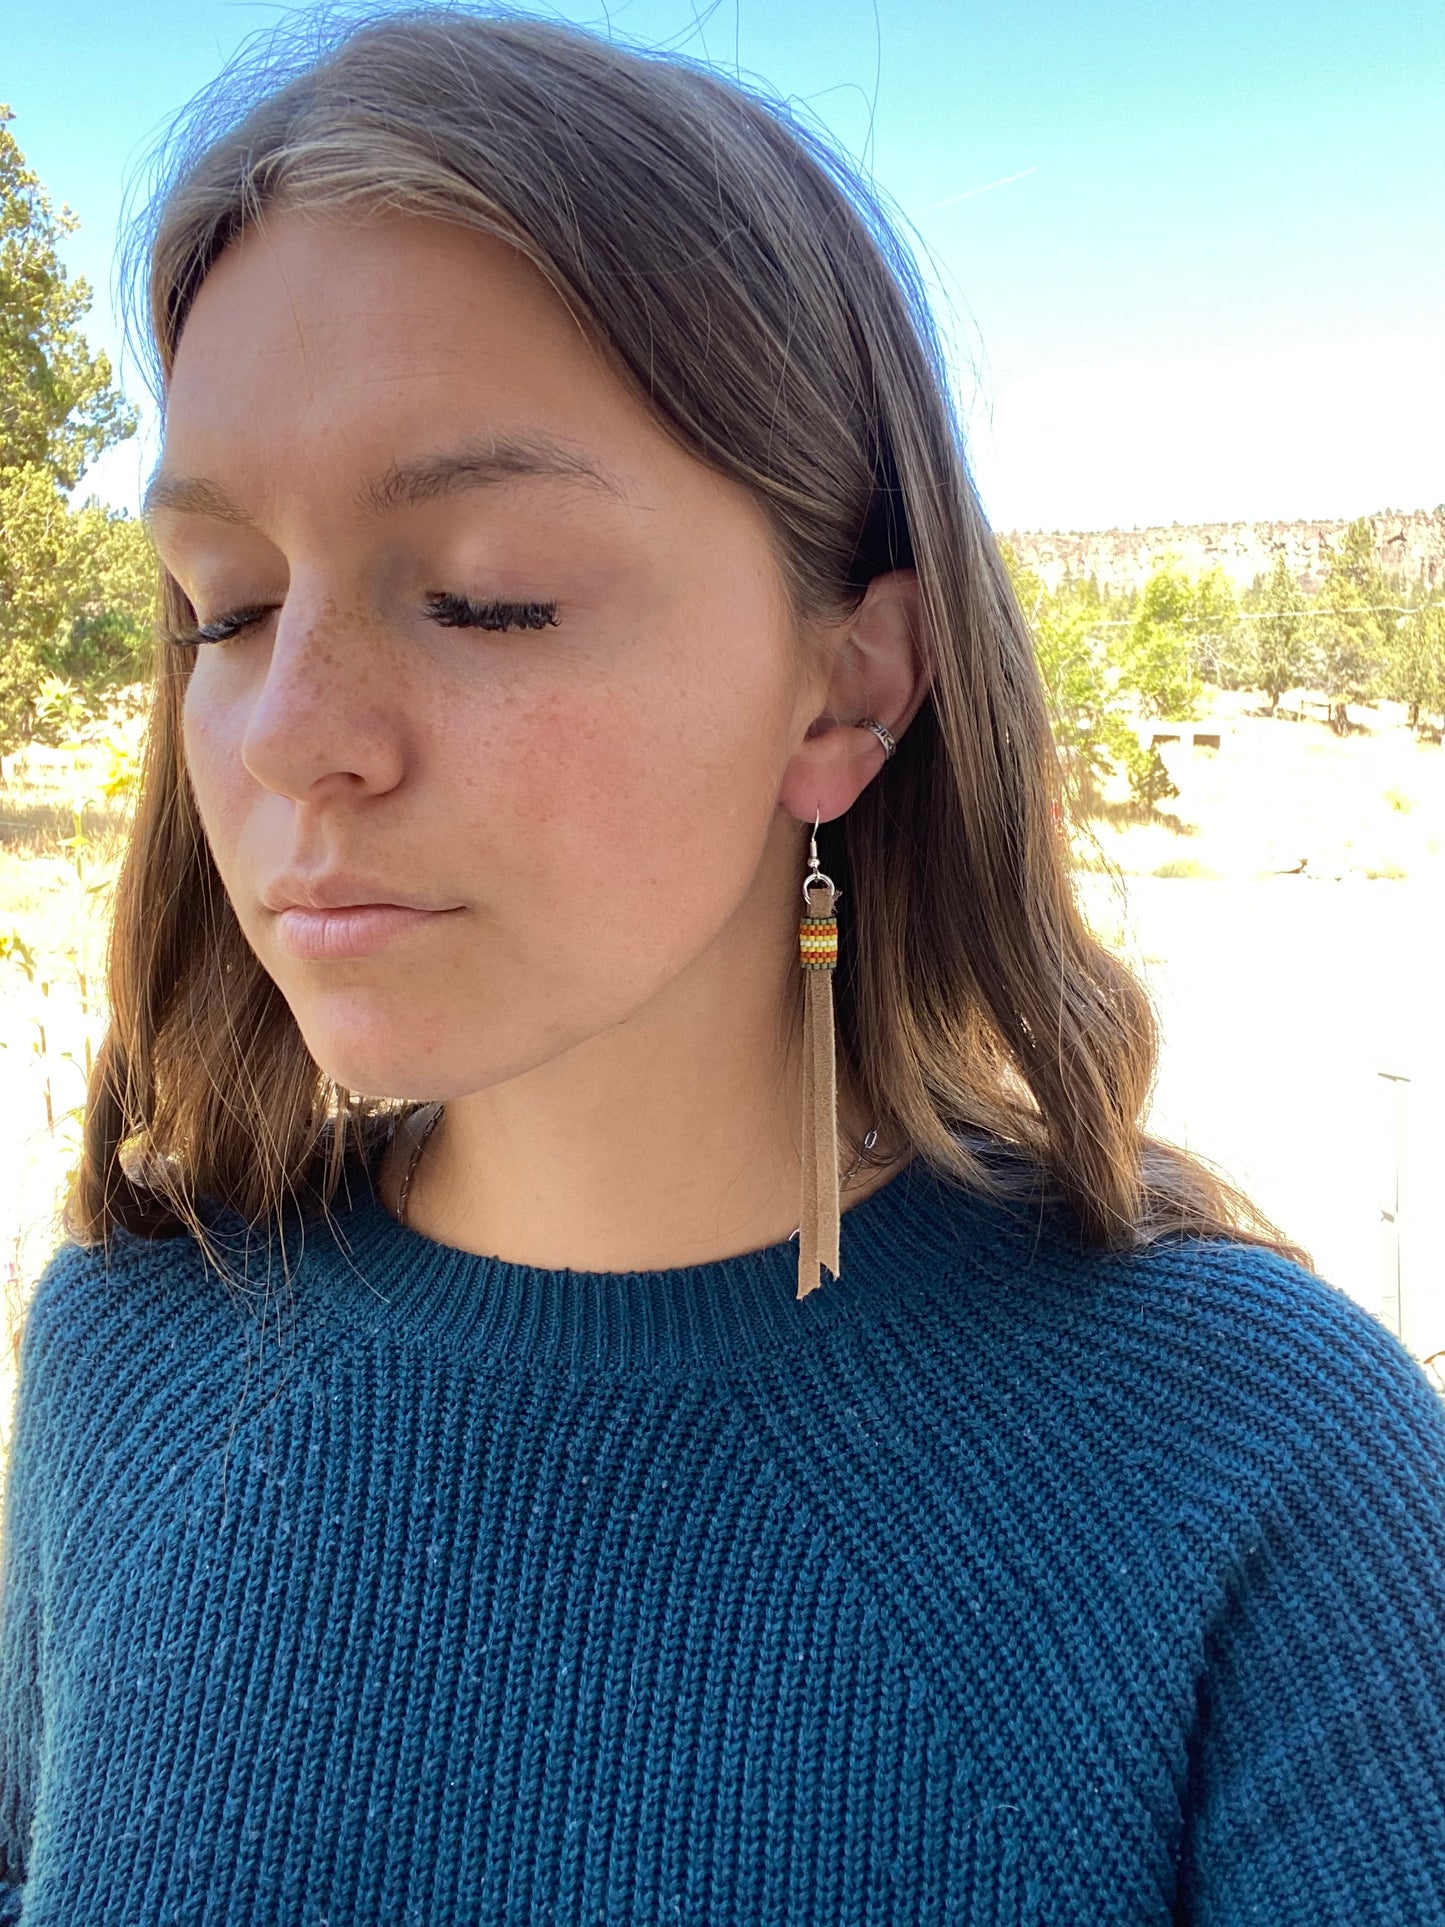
(350, 930)
(339, 890)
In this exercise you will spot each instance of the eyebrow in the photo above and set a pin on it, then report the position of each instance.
(491, 464)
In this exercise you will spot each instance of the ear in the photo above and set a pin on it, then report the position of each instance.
(875, 666)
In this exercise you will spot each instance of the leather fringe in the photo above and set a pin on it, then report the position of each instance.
(818, 1224)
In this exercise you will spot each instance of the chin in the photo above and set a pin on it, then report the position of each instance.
(372, 1049)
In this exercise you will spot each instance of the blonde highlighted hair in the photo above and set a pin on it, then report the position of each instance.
(745, 280)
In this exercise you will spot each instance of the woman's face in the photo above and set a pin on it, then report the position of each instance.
(375, 432)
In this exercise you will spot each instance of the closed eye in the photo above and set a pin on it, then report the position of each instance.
(450, 611)
(221, 628)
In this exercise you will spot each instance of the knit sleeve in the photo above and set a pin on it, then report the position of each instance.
(39, 1408)
(1317, 1777)
(20, 1615)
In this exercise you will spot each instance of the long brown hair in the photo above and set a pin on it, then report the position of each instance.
(747, 282)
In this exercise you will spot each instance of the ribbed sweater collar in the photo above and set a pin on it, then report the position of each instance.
(402, 1282)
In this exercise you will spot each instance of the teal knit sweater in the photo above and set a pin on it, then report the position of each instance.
(996, 1581)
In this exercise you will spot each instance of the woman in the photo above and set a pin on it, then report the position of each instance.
(567, 553)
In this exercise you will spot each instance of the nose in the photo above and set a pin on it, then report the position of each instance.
(326, 712)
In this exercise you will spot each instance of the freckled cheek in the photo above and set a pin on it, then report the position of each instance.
(627, 803)
(211, 735)
(572, 774)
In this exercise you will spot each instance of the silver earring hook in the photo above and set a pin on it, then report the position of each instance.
(816, 875)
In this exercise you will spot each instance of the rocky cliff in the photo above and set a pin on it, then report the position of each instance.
(1408, 546)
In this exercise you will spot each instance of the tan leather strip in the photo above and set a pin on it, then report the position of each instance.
(818, 1234)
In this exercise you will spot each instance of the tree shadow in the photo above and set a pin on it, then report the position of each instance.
(1130, 813)
(1314, 709)
(1092, 806)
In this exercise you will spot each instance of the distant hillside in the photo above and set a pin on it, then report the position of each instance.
(1409, 546)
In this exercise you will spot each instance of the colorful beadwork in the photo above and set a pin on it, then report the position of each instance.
(818, 942)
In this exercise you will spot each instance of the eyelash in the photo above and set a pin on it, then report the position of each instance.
(456, 612)
(447, 610)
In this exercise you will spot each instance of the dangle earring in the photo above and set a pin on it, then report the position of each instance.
(818, 1232)
(818, 953)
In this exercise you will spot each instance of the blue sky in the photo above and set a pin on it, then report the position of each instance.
(1189, 262)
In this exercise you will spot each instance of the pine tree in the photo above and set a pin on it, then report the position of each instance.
(1283, 655)
(59, 410)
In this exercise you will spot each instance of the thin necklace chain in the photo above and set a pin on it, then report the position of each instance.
(432, 1122)
(435, 1119)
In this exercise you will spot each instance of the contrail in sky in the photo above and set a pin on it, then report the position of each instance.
(971, 193)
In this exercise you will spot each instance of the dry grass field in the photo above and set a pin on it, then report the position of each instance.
(1286, 912)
